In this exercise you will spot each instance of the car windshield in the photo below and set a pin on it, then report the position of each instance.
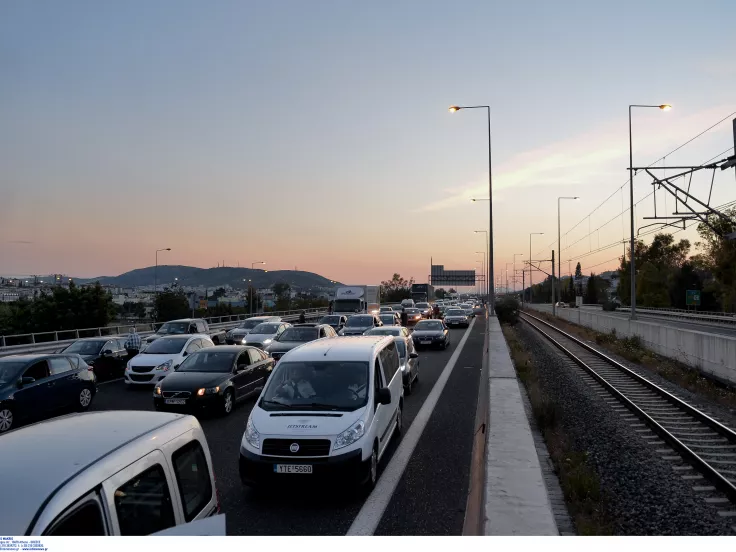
(422, 305)
(10, 370)
(299, 334)
(455, 312)
(173, 328)
(249, 324)
(388, 319)
(386, 309)
(425, 325)
(391, 330)
(359, 321)
(265, 329)
(85, 347)
(208, 360)
(330, 320)
(166, 346)
(317, 385)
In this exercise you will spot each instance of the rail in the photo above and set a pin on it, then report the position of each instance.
(44, 342)
(722, 317)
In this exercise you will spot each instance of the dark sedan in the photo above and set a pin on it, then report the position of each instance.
(413, 316)
(336, 321)
(298, 335)
(35, 387)
(390, 318)
(214, 379)
(431, 333)
(360, 323)
(107, 356)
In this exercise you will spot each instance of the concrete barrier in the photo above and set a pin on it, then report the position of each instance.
(712, 354)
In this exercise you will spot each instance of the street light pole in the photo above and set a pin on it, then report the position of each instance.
(531, 295)
(252, 267)
(559, 247)
(489, 283)
(491, 290)
(663, 107)
(155, 276)
(485, 282)
(516, 255)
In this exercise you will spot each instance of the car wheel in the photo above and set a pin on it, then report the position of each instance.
(407, 387)
(227, 403)
(85, 399)
(6, 419)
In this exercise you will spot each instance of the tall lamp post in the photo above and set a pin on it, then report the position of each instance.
(491, 291)
(489, 276)
(559, 247)
(507, 277)
(531, 294)
(663, 107)
(252, 267)
(155, 276)
(483, 270)
(516, 255)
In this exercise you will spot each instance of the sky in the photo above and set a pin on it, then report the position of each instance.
(316, 135)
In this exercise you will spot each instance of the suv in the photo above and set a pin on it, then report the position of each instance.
(349, 393)
(128, 473)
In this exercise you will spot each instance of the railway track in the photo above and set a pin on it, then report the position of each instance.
(705, 449)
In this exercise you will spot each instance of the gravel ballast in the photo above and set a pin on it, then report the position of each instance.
(642, 493)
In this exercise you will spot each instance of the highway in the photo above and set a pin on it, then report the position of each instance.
(695, 325)
(429, 498)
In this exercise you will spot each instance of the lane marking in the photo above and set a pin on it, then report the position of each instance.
(111, 381)
(367, 520)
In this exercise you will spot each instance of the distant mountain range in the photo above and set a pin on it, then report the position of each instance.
(212, 277)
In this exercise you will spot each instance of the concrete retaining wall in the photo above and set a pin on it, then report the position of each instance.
(713, 354)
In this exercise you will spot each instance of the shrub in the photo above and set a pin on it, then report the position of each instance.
(507, 310)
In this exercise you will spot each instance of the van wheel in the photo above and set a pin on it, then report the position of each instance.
(370, 483)
(399, 420)
(227, 402)
(6, 419)
(85, 399)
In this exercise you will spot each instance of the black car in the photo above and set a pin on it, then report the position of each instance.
(35, 387)
(298, 335)
(431, 333)
(390, 318)
(107, 356)
(360, 323)
(336, 321)
(214, 379)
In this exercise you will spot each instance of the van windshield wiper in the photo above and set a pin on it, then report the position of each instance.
(276, 403)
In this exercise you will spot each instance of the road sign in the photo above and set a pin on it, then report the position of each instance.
(692, 297)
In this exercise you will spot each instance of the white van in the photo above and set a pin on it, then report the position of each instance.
(329, 410)
(109, 473)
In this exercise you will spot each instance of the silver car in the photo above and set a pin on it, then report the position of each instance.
(455, 317)
(263, 335)
(236, 335)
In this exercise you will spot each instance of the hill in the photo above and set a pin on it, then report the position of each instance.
(214, 277)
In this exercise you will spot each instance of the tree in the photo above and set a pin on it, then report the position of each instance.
(591, 290)
(396, 289)
(578, 272)
(718, 258)
(170, 305)
(280, 289)
(219, 292)
(440, 293)
(571, 290)
(452, 290)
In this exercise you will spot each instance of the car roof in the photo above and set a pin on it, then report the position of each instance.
(181, 336)
(225, 349)
(31, 357)
(339, 348)
(39, 459)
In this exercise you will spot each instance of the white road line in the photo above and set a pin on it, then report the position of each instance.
(111, 381)
(367, 520)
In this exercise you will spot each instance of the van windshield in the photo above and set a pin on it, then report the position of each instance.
(317, 385)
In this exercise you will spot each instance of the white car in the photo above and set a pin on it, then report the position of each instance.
(263, 334)
(236, 335)
(329, 410)
(162, 357)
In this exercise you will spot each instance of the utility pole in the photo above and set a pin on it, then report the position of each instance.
(554, 285)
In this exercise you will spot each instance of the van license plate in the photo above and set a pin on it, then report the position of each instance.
(175, 401)
(292, 468)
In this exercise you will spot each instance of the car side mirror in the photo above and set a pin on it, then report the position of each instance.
(176, 367)
(383, 395)
(184, 353)
(25, 381)
(107, 352)
(240, 367)
(413, 355)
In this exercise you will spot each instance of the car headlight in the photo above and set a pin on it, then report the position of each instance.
(350, 435)
(252, 437)
(207, 391)
(157, 390)
(244, 340)
(341, 332)
(267, 341)
(165, 366)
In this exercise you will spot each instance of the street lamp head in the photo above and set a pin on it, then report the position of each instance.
(454, 108)
(665, 107)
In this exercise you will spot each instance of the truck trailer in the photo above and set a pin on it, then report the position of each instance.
(357, 300)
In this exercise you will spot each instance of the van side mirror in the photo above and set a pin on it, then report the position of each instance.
(383, 395)
(413, 355)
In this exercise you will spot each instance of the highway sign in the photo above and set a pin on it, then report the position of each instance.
(692, 297)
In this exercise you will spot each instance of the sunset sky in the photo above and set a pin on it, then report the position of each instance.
(316, 134)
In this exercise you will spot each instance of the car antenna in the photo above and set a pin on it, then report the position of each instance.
(327, 350)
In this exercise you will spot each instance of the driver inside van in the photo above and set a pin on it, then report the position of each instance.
(298, 385)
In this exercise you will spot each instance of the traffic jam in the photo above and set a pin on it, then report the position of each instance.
(329, 398)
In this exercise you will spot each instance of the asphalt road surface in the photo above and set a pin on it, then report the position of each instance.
(429, 498)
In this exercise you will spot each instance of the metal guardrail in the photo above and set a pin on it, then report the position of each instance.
(56, 343)
(720, 317)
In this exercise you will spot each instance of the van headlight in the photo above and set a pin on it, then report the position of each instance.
(252, 437)
(165, 366)
(350, 435)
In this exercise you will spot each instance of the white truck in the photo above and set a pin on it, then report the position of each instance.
(357, 300)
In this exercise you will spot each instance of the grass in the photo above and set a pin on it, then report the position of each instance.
(578, 480)
(633, 350)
